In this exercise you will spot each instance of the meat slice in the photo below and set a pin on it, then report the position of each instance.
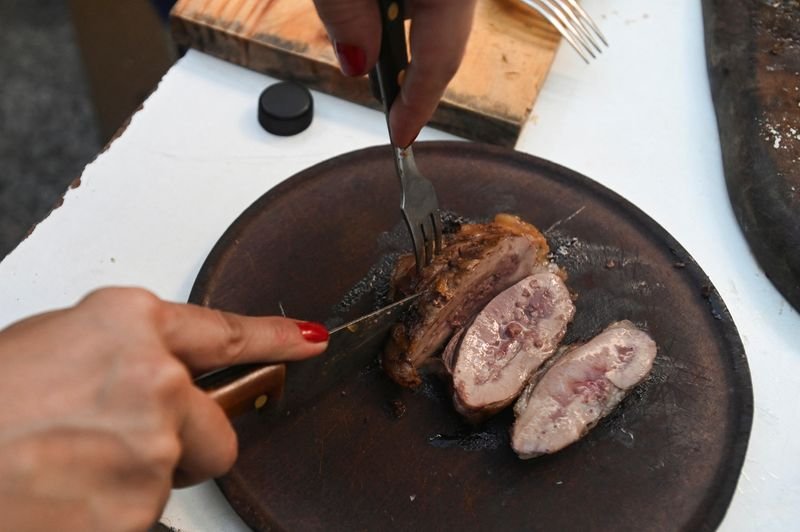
(477, 263)
(493, 360)
(584, 385)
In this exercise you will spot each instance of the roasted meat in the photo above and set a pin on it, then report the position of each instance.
(495, 356)
(477, 263)
(581, 387)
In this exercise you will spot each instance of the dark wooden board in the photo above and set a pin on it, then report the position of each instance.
(668, 458)
(753, 52)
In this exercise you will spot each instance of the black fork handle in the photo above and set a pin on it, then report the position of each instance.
(388, 74)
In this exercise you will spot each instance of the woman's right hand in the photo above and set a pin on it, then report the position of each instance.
(99, 412)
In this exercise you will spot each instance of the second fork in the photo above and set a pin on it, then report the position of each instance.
(572, 22)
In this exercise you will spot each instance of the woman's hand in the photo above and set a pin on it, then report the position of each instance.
(99, 414)
(439, 33)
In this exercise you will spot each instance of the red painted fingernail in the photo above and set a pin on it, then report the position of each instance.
(315, 333)
(412, 140)
(407, 144)
(352, 59)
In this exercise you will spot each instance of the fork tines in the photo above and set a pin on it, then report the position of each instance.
(573, 23)
(420, 207)
(426, 236)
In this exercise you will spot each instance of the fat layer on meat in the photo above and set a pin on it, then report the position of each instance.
(584, 385)
(477, 263)
(496, 355)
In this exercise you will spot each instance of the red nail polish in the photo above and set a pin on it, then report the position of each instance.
(412, 140)
(352, 59)
(315, 333)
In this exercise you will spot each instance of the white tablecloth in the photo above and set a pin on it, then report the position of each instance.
(638, 120)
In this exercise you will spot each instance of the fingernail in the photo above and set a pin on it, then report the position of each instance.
(352, 59)
(405, 144)
(316, 333)
(412, 140)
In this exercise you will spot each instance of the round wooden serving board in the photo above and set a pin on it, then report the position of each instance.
(367, 455)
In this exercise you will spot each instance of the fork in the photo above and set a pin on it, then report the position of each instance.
(573, 23)
(419, 203)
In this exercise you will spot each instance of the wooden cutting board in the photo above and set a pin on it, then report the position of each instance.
(364, 454)
(508, 57)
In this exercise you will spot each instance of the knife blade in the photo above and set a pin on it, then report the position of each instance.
(351, 347)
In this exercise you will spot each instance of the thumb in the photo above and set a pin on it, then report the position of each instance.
(355, 31)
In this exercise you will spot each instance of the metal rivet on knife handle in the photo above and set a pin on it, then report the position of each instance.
(244, 388)
(393, 11)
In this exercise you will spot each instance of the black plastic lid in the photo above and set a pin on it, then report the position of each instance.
(285, 108)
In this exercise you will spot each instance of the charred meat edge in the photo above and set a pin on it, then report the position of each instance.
(477, 263)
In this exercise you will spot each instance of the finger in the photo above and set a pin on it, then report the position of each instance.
(355, 31)
(205, 339)
(434, 62)
(208, 440)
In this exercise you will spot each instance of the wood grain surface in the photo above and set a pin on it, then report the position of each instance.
(508, 57)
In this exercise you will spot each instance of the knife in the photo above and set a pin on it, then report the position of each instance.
(351, 347)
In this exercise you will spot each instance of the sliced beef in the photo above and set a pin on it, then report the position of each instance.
(585, 384)
(494, 358)
(477, 263)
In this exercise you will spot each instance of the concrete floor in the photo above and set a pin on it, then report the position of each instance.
(47, 128)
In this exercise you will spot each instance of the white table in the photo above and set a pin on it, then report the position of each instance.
(639, 120)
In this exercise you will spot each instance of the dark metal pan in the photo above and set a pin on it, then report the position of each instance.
(366, 455)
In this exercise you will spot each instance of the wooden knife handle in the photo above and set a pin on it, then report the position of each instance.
(393, 58)
(244, 388)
